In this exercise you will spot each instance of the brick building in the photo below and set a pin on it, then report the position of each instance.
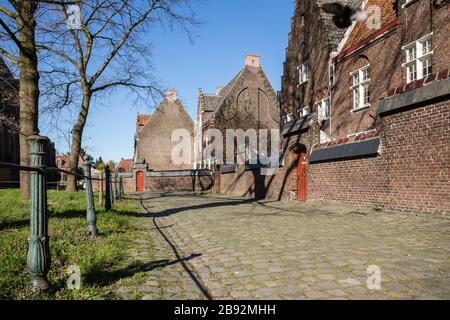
(62, 162)
(153, 144)
(248, 101)
(379, 97)
(9, 125)
(152, 168)
(125, 166)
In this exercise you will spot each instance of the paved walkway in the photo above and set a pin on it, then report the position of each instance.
(240, 249)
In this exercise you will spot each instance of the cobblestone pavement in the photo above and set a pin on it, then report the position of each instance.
(241, 249)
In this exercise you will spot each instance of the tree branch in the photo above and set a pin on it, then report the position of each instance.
(59, 53)
(8, 12)
(9, 56)
(125, 84)
(11, 34)
(124, 39)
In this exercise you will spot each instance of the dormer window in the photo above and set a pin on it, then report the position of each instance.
(419, 59)
(303, 73)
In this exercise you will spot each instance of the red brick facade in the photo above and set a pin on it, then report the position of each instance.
(410, 174)
(412, 170)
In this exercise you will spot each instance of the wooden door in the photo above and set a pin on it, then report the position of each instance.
(302, 177)
(139, 181)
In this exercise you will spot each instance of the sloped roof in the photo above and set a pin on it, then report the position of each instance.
(168, 107)
(361, 31)
(212, 102)
(126, 165)
(335, 34)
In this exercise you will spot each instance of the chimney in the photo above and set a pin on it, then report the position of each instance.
(218, 90)
(171, 95)
(252, 60)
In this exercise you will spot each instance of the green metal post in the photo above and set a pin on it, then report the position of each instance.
(121, 187)
(116, 187)
(111, 185)
(90, 208)
(107, 189)
(38, 260)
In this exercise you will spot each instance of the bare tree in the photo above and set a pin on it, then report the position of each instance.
(102, 49)
(17, 35)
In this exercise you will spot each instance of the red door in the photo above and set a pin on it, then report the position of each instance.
(302, 176)
(139, 181)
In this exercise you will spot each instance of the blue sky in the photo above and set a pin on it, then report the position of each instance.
(231, 29)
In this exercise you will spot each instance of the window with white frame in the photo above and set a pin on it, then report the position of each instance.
(303, 71)
(304, 111)
(360, 88)
(419, 59)
(288, 118)
(323, 109)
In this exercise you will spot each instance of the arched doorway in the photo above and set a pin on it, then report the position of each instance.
(139, 181)
(302, 187)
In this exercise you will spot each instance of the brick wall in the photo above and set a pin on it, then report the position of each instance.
(170, 184)
(412, 172)
(177, 184)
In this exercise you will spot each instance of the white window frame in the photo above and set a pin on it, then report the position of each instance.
(288, 118)
(303, 73)
(361, 99)
(324, 109)
(417, 61)
(304, 111)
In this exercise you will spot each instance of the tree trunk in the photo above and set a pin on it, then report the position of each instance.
(29, 86)
(77, 135)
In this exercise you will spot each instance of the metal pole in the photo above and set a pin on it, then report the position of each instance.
(111, 185)
(38, 260)
(107, 189)
(121, 187)
(100, 189)
(116, 189)
(90, 209)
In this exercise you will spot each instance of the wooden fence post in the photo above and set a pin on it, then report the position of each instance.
(107, 189)
(90, 208)
(38, 260)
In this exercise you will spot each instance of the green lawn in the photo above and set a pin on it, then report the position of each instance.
(69, 245)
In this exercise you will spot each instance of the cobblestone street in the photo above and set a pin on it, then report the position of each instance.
(241, 249)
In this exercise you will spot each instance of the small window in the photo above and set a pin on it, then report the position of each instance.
(288, 118)
(360, 88)
(332, 76)
(323, 108)
(303, 112)
(303, 73)
(419, 59)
